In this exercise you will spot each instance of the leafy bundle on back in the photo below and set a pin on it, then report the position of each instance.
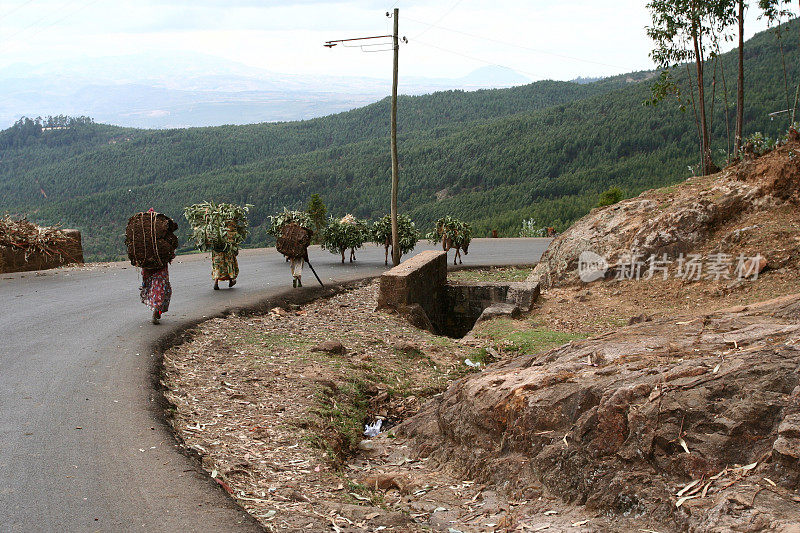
(451, 229)
(218, 227)
(349, 232)
(277, 222)
(408, 235)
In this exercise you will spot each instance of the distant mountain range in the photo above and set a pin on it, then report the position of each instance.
(543, 151)
(186, 89)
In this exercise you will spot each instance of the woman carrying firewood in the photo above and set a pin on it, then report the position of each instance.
(293, 243)
(151, 242)
(156, 291)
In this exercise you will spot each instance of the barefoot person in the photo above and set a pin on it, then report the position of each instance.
(296, 266)
(151, 242)
(293, 243)
(156, 291)
(224, 267)
(220, 229)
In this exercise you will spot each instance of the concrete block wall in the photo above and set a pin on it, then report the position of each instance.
(417, 284)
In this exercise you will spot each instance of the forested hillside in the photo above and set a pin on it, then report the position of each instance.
(496, 157)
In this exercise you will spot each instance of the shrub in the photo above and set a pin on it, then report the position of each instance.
(610, 197)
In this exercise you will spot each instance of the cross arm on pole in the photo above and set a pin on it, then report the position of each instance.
(331, 44)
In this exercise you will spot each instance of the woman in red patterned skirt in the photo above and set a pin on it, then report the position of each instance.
(156, 291)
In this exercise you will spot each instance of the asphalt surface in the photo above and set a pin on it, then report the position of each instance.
(83, 442)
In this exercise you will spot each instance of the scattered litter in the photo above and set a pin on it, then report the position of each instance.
(686, 488)
(683, 444)
(372, 430)
(581, 523)
(471, 364)
(551, 512)
(684, 499)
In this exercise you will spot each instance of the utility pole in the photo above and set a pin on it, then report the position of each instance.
(395, 165)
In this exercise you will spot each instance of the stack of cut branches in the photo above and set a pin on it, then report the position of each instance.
(277, 222)
(23, 235)
(218, 227)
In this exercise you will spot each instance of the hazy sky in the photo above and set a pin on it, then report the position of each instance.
(447, 38)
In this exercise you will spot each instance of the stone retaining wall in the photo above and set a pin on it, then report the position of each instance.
(418, 289)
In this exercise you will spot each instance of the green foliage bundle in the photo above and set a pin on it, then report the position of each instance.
(457, 231)
(219, 227)
(531, 229)
(610, 197)
(349, 232)
(408, 235)
(276, 222)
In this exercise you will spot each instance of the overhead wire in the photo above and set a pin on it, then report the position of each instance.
(467, 56)
(15, 9)
(441, 18)
(53, 23)
(513, 45)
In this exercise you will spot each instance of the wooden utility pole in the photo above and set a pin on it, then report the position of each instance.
(395, 164)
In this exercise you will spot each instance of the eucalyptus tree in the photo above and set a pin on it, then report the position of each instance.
(686, 31)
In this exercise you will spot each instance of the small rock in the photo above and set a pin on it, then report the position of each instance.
(754, 265)
(366, 445)
(406, 347)
(638, 319)
(387, 481)
(334, 347)
(500, 310)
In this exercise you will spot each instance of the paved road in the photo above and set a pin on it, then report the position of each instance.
(83, 446)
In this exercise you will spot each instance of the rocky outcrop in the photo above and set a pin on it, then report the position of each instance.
(673, 220)
(622, 421)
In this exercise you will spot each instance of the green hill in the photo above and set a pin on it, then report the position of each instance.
(544, 150)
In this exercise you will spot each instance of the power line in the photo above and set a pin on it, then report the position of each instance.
(522, 47)
(441, 18)
(57, 21)
(492, 63)
(15, 9)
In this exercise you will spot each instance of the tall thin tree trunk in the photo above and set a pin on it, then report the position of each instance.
(694, 110)
(727, 115)
(740, 85)
(704, 138)
(785, 76)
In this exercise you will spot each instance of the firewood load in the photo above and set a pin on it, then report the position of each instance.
(294, 240)
(150, 239)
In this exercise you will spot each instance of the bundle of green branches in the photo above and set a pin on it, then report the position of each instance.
(218, 227)
(276, 222)
(450, 228)
(24, 235)
(348, 232)
(408, 235)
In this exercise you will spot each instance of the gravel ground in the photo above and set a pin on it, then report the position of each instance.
(274, 405)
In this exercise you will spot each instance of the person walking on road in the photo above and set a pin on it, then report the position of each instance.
(156, 291)
(224, 267)
(296, 266)
(151, 242)
(293, 243)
